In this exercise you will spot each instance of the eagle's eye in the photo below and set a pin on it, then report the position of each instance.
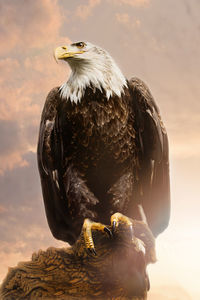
(80, 45)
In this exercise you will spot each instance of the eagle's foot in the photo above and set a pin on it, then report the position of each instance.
(88, 227)
(139, 230)
(118, 218)
(139, 233)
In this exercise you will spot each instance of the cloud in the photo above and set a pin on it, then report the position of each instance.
(84, 11)
(3, 209)
(11, 145)
(7, 66)
(28, 23)
(11, 161)
(9, 132)
(125, 19)
(17, 113)
(134, 3)
(24, 191)
(24, 87)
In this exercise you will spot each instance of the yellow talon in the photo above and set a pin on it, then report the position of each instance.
(119, 218)
(88, 226)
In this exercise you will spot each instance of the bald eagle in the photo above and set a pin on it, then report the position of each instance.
(102, 147)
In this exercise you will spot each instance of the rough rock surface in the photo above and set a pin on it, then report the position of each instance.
(118, 271)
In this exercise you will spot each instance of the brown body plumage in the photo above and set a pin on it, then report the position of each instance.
(102, 156)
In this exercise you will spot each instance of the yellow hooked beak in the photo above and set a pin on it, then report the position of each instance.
(63, 52)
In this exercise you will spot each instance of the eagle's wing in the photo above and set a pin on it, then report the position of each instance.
(153, 177)
(67, 199)
(52, 195)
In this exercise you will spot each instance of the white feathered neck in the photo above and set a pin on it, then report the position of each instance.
(98, 71)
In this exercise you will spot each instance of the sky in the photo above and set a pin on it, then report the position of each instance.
(155, 40)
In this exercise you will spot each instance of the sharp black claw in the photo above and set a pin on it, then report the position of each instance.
(92, 251)
(108, 231)
(113, 226)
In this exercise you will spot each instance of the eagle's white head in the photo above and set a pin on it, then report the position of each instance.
(91, 66)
